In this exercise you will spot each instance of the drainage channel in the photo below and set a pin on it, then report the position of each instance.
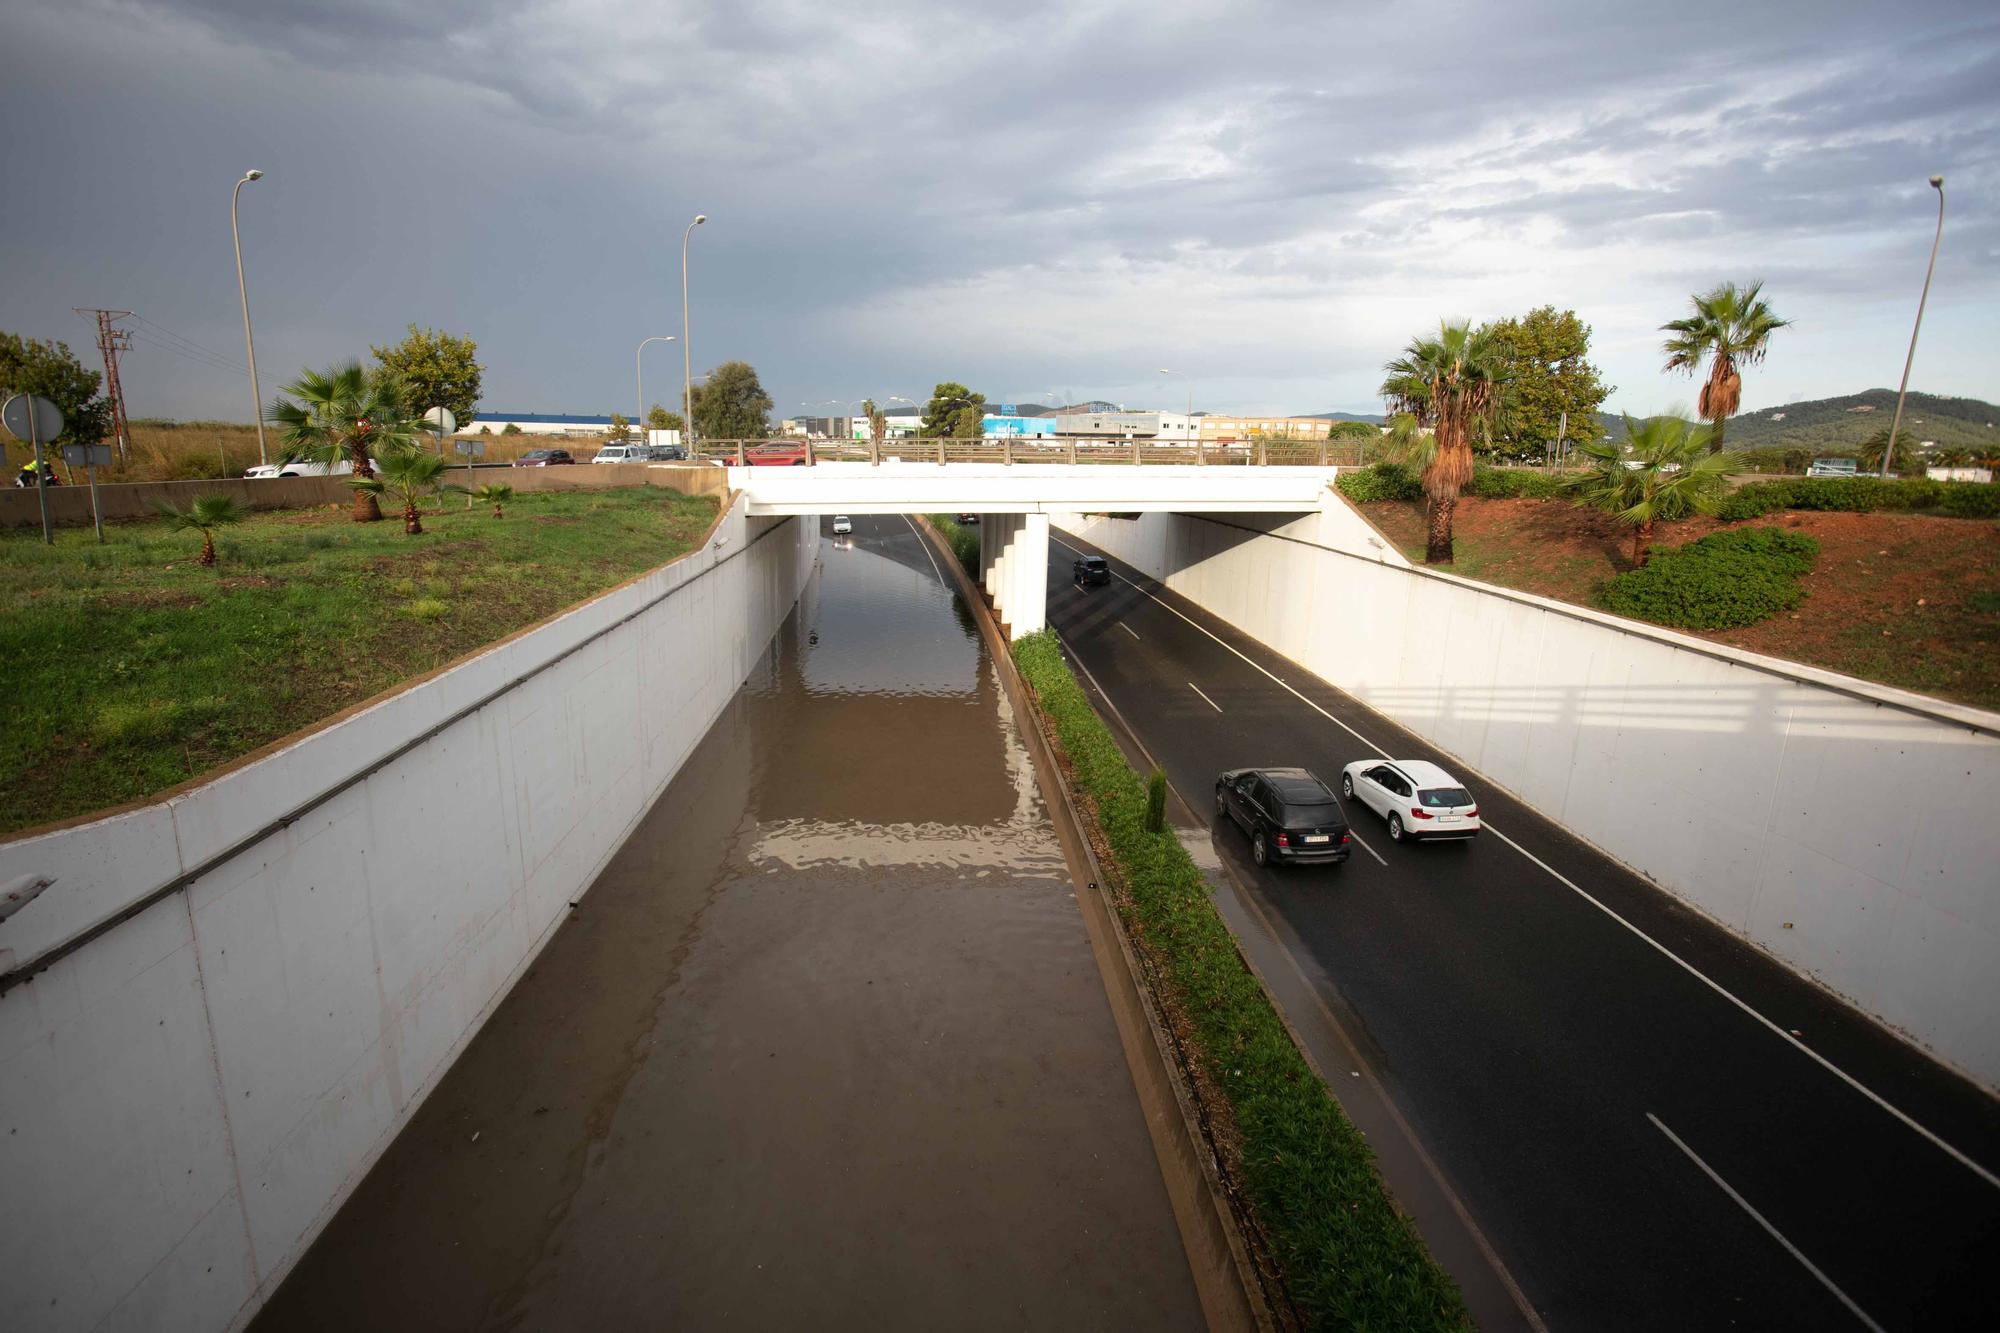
(825, 1043)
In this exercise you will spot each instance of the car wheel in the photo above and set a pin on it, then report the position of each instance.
(1259, 851)
(1347, 786)
(1395, 828)
(1221, 806)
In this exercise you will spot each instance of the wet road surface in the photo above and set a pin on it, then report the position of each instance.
(1642, 1151)
(824, 1045)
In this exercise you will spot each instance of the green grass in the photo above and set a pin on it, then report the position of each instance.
(964, 542)
(1350, 1260)
(129, 668)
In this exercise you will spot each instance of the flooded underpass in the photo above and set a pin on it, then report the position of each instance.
(825, 1043)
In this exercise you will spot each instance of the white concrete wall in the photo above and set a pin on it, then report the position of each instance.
(1763, 793)
(187, 1097)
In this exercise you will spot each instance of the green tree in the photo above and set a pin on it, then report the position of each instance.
(1666, 470)
(878, 424)
(1549, 374)
(661, 419)
(968, 424)
(344, 415)
(409, 475)
(1907, 457)
(493, 493)
(30, 365)
(621, 429)
(434, 369)
(204, 515)
(510, 429)
(1444, 391)
(947, 401)
(731, 404)
(1353, 430)
(1732, 328)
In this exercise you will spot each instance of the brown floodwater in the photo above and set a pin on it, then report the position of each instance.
(824, 1045)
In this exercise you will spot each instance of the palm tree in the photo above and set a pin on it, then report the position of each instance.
(409, 475)
(494, 493)
(1441, 392)
(1906, 457)
(344, 415)
(1667, 470)
(1732, 329)
(204, 515)
(878, 425)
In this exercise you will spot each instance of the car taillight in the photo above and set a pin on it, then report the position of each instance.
(1473, 813)
(1416, 813)
(1284, 839)
(1346, 838)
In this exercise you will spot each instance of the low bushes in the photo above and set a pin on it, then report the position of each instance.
(1384, 481)
(1861, 495)
(1721, 581)
(1350, 1259)
(964, 542)
(1492, 483)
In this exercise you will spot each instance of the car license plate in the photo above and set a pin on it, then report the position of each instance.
(1447, 819)
(1319, 837)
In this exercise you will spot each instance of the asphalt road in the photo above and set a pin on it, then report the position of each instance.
(1674, 1133)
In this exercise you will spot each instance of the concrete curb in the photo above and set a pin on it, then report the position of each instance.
(1227, 1280)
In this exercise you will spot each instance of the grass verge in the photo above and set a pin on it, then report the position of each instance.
(131, 669)
(1349, 1259)
(964, 541)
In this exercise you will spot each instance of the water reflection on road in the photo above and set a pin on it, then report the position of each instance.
(825, 1043)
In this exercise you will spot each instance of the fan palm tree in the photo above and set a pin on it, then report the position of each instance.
(494, 493)
(1732, 328)
(409, 475)
(204, 515)
(1666, 470)
(1870, 455)
(344, 415)
(1442, 392)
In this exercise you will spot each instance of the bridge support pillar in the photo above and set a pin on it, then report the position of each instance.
(1018, 570)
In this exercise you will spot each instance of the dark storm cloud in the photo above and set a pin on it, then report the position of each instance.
(1060, 192)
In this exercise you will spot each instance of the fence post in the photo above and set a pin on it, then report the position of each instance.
(1007, 450)
(1260, 451)
(809, 451)
(1135, 453)
(739, 453)
(1322, 453)
(940, 451)
(1072, 449)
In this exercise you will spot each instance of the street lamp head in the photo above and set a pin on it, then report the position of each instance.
(253, 175)
(700, 218)
(1937, 182)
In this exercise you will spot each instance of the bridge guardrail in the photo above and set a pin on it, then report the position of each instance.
(792, 451)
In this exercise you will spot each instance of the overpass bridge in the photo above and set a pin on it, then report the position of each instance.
(1015, 500)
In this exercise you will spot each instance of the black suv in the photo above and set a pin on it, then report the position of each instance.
(1289, 814)
(1090, 569)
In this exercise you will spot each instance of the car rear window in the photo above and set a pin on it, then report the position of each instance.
(1302, 816)
(1444, 798)
(1094, 562)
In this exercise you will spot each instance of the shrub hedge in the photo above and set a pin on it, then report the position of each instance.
(1860, 495)
(1350, 1259)
(1726, 579)
(1492, 483)
(964, 542)
(1383, 481)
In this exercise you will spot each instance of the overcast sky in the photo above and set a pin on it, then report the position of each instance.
(1039, 199)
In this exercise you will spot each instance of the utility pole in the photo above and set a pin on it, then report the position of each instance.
(110, 343)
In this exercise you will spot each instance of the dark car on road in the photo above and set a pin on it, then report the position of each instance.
(543, 458)
(1290, 815)
(966, 520)
(1090, 569)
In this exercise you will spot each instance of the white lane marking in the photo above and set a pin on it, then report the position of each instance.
(1128, 629)
(927, 551)
(1204, 698)
(1759, 1218)
(1777, 1030)
(1364, 846)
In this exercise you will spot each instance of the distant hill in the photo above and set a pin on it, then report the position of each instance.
(1830, 425)
(1373, 419)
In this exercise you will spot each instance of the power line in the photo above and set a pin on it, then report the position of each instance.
(182, 340)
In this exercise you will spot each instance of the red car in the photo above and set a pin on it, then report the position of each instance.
(776, 455)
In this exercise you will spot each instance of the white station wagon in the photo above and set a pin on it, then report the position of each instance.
(1416, 797)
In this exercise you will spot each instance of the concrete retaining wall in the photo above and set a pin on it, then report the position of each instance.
(69, 506)
(1764, 793)
(262, 996)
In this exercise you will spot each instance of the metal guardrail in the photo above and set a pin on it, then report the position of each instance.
(795, 452)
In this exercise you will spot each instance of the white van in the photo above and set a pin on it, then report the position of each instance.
(622, 453)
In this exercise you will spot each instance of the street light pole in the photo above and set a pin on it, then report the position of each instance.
(639, 373)
(243, 294)
(1889, 449)
(687, 356)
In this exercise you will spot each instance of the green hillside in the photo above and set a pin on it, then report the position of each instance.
(1837, 425)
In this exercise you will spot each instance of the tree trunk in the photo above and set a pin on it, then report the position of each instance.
(207, 548)
(413, 523)
(1642, 537)
(1715, 440)
(365, 508)
(1437, 547)
(496, 511)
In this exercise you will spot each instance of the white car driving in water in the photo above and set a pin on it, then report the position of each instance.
(1416, 798)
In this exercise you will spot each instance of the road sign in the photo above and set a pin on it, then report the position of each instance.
(31, 417)
(443, 418)
(87, 455)
(469, 448)
(1006, 409)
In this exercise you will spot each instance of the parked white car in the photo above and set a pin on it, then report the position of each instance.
(623, 453)
(842, 525)
(1417, 798)
(266, 471)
